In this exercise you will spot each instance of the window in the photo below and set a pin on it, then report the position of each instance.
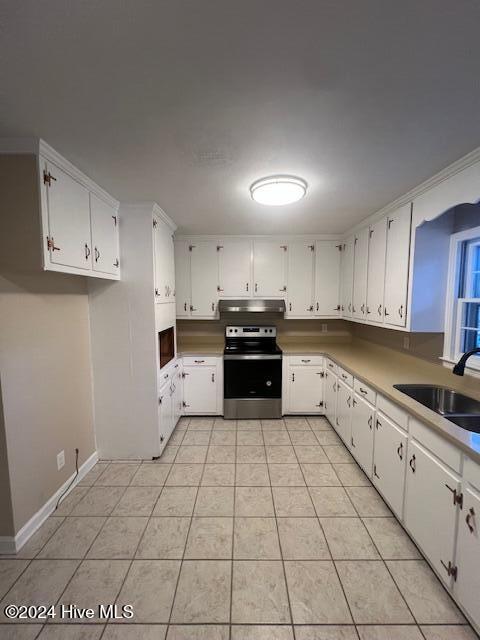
(463, 312)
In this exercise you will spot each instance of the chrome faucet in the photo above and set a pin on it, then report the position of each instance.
(459, 368)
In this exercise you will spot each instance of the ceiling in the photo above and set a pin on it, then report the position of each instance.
(186, 102)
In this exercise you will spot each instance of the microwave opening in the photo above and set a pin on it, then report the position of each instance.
(166, 345)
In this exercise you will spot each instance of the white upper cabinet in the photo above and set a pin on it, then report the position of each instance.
(397, 265)
(204, 278)
(360, 274)
(104, 223)
(376, 271)
(269, 269)
(327, 278)
(182, 278)
(300, 279)
(346, 271)
(164, 261)
(235, 269)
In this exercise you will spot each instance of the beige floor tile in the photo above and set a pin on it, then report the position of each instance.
(310, 454)
(252, 475)
(225, 438)
(390, 632)
(426, 597)
(248, 424)
(253, 501)
(197, 438)
(262, 632)
(390, 539)
(218, 475)
(73, 538)
(351, 475)
(327, 438)
(99, 501)
(331, 501)
(176, 501)
(319, 423)
(119, 538)
(280, 454)
(149, 587)
(164, 539)
(302, 539)
(43, 581)
(10, 569)
(183, 423)
(251, 453)
(449, 632)
(277, 438)
(259, 593)
(316, 596)
(224, 425)
(203, 592)
(71, 632)
(214, 501)
(325, 632)
(184, 475)
(273, 425)
(40, 538)
(117, 475)
(95, 582)
(320, 475)
(137, 501)
(256, 539)
(135, 632)
(371, 593)
(348, 539)
(191, 454)
(338, 454)
(93, 475)
(198, 632)
(210, 539)
(292, 502)
(177, 437)
(151, 475)
(296, 423)
(169, 454)
(245, 438)
(367, 502)
(66, 506)
(221, 453)
(201, 424)
(286, 475)
(304, 438)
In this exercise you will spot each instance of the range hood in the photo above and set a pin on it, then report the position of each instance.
(253, 305)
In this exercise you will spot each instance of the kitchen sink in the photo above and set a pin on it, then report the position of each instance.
(459, 409)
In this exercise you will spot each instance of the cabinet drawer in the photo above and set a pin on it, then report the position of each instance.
(345, 376)
(331, 365)
(364, 391)
(446, 452)
(191, 361)
(471, 473)
(393, 411)
(316, 361)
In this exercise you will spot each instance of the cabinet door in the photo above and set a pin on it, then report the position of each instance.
(204, 278)
(182, 278)
(389, 462)
(343, 420)
(346, 285)
(327, 278)
(234, 266)
(177, 398)
(396, 268)
(360, 274)
(376, 271)
(68, 220)
(269, 265)
(300, 279)
(430, 514)
(164, 261)
(305, 386)
(330, 402)
(362, 433)
(165, 415)
(467, 587)
(104, 223)
(200, 390)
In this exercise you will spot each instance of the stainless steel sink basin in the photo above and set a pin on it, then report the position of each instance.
(460, 409)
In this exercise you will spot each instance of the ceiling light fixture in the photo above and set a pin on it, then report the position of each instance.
(278, 190)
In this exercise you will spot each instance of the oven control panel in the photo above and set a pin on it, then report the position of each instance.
(250, 332)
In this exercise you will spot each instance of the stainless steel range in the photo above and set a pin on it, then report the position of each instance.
(252, 373)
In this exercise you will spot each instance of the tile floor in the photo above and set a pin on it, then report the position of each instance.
(242, 530)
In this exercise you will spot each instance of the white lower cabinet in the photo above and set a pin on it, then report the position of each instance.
(330, 401)
(389, 462)
(430, 509)
(467, 586)
(362, 433)
(177, 396)
(200, 391)
(343, 421)
(165, 414)
(305, 389)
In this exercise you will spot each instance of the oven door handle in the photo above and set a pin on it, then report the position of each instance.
(250, 356)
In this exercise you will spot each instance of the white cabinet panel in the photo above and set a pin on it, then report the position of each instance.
(389, 462)
(182, 278)
(430, 512)
(330, 402)
(235, 268)
(305, 386)
(362, 433)
(204, 279)
(346, 284)
(343, 422)
(165, 415)
(396, 267)
(300, 279)
(200, 389)
(327, 278)
(104, 224)
(164, 261)
(360, 274)
(68, 220)
(376, 271)
(467, 587)
(177, 397)
(269, 266)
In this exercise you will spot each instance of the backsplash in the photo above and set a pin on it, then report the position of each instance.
(428, 346)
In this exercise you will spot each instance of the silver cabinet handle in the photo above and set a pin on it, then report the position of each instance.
(246, 286)
(213, 377)
(87, 251)
(318, 306)
(306, 360)
(468, 519)
(213, 306)
(293, 377)
(219, 288)
(199, 361)
(375, 471)
(364, 391)
(379, 310)
(400, 450)
(400, 311)
(289, 306)
(97, 254)
(184, 306)
(256, 287)
(370, 422)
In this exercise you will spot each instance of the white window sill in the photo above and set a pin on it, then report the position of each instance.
(469, 371)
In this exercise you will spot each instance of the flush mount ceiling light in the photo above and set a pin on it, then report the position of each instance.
(277, 190)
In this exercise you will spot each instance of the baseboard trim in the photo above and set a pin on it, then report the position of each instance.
(13, 544)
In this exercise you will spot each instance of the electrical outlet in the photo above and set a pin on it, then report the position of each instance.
(324, 328)
(60, 460)
(406, 342)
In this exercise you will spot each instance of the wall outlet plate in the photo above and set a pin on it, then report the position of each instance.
(60, 460)
(406, 342)
(324, 328)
